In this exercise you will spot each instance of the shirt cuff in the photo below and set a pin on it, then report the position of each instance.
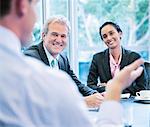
(111, 113)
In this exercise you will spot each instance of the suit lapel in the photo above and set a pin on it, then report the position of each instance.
(124, 59)
(107, 64)
(43, 54)
(61, 63)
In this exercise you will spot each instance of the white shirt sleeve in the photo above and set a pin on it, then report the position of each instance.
(110, 114)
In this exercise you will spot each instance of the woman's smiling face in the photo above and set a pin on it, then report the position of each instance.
(111, 36)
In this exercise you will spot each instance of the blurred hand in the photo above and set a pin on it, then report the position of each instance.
(123, 79)
(103, 94)
(94, 100)
(101, 84)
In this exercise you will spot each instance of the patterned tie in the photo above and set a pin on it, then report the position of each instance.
(53, 63)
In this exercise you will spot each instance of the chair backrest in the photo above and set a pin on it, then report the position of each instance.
(147, 67)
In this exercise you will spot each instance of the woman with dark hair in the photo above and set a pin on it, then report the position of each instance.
(105, 65)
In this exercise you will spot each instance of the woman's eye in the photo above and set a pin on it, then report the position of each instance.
(111, 33)
(104, 36)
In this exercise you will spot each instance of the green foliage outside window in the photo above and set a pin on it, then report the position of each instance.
(131, 15)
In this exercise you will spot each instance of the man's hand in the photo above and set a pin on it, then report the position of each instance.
(94, 100)
(123, 79)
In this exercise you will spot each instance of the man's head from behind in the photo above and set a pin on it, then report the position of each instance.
(5, 6)
(18, 16)
(55, 34)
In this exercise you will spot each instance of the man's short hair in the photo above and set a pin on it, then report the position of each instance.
(5, 6)
(56, 19)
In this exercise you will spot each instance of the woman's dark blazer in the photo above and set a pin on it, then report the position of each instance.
(100, 68)
(37, 51)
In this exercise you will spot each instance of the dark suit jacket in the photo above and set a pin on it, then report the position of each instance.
(100, 68)
(38, 52)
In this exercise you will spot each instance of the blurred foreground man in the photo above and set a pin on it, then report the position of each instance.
(25, 97)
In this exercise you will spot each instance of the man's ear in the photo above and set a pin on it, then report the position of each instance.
(21, 7)
(43, 35)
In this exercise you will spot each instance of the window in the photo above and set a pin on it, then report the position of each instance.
(131, 15)
(56, 7)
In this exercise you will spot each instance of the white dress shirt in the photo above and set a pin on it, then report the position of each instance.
(114, 67)
(51, 58)
(29, 94)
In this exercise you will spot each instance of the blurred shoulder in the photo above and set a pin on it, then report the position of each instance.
(31, 50)
(38, 67)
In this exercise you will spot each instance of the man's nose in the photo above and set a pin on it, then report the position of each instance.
(59, 38)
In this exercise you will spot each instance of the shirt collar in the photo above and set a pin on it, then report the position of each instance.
(9, 39)
(112, 61)
(49, 56)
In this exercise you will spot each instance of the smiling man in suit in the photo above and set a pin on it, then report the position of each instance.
(54, 41)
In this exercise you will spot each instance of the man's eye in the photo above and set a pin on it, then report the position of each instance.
(63, 36)
(54, 34)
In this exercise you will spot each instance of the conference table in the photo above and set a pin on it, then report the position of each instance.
(136, 112)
